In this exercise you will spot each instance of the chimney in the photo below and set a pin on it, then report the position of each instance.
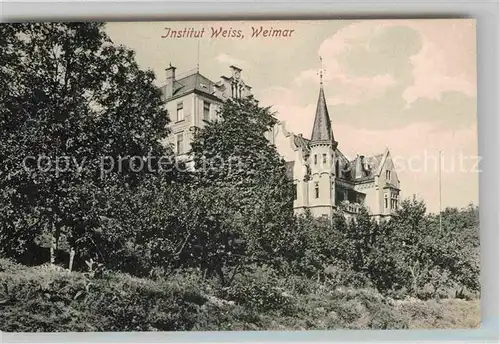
(169, 87)
(236, 71)
(359, 166)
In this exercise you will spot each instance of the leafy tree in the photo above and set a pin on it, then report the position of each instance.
(357, 241)
(232, 153)
(412, 251)
(82, 104)
(459, 246)
(316, 244)
(402, 256)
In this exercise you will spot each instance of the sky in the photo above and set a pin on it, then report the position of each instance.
(406, 85)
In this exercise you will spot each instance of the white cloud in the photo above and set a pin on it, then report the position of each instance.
(446, 62)
(231, 60)
(352, 88)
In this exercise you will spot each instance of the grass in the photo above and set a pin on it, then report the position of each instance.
(47, 299)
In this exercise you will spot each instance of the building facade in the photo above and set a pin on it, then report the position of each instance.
(326, 180)
(192, 99)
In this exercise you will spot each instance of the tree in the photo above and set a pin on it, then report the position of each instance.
(459, 246)
(402, 256)
(232, 153)
(79, 117)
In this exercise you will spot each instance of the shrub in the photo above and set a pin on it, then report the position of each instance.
(346, 308)
(259, 289)
(56, 300)
(10, 266)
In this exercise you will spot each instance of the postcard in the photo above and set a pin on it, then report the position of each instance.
(239, 175)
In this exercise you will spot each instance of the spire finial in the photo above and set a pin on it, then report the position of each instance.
(198, 57)
(321, 71)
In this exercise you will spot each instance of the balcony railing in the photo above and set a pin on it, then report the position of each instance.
(350, 207)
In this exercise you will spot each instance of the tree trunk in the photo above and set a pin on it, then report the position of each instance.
(220, 273)
(71, 258)
(54, 245)
(414, 280)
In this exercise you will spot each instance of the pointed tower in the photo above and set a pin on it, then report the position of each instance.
(322, 160)
(322, 129)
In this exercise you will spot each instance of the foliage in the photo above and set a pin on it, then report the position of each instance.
(217, 248)
(232, 153)
(74, 105)
(55, 300)
(413, 253)
(48, 298)
(258, 288)
(408, 255)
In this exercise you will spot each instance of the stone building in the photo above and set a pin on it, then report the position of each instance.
(326, 180)
(193, 98)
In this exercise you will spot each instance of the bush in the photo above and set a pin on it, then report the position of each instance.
(51, 299)
(345, 308)
(48, 301)
(10, 266)
(259, 289)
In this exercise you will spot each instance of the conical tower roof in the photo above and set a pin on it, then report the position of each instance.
(322, 128)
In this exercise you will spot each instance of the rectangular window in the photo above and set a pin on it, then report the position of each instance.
(316, 190)
(180, 143)
(324, 158)
(315, 159)
(394, 200)
(206, 110)
(386, 201)
(180, 111)
(296, 192)
(388, 175)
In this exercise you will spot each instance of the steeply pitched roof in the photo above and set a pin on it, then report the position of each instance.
(190, 83)
(371, 162)
(322, 128)
(301, 142)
